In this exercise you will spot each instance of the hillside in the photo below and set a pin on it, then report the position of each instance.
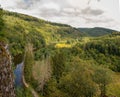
(60, 60)
(97, 31)
(20, 29)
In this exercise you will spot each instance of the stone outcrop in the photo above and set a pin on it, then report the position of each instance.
(6, 73)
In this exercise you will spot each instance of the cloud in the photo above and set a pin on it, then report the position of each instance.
(90, 11)
(101, 19)
(74, 12)
(89, 1)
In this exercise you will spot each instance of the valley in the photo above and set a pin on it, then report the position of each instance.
(61, 60)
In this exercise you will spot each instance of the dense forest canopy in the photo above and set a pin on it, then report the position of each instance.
(97, 31)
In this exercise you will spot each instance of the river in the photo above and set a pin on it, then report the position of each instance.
(18, 72)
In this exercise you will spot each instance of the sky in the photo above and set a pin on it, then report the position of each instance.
(77, 13)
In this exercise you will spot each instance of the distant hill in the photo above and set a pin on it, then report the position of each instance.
(49, 30)
(97, 31)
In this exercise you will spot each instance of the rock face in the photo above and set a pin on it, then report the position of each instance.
(6, 74)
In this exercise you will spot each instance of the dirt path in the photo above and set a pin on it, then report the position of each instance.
(34, 92)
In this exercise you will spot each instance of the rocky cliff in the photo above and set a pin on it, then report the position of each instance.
(6, 74)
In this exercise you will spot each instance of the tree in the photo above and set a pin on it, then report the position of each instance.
(78, 82)
(102, 78)
(28, 62)
(1, 19)
(58, 64)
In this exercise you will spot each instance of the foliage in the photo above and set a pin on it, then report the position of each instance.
(1, 19)
(113, 88)
(58, 64)
(80, 65)
(97, 31)
(78, 82)
(20, 29)
(23, 92)
(102, 78)
(28, 63)
(104, 51)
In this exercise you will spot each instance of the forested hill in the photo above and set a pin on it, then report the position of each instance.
(20, 28)
(97, 31)
(24, 24)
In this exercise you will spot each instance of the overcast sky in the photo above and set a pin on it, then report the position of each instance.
(78, 13)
